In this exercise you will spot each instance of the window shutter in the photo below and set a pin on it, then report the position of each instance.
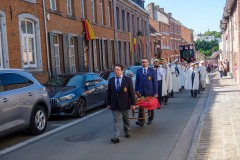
(80, 53)
(65, 53)
(109, 54)
(101, 54)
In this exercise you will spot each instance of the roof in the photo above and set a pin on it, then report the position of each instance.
(214, 55)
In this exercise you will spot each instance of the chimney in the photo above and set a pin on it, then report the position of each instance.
(170, 14)
(162, 9)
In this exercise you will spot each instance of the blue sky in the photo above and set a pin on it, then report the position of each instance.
(199, 15)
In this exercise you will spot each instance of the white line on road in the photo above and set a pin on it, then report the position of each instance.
(19, 145)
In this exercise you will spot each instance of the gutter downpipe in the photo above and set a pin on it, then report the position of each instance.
(46, 35)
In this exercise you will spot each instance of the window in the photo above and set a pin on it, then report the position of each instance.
(110, 21)
(118, 18)
(138, 24)
(120, 51)
(82, 6)
(142, 27)
(1, 48)
(94, 11)
(126, 53)
(123, 20)
(28, 43)
(1, 85)
(53, 5)
(55, 55)
(14, 81)
(128, 22)
(69, 7)
(71, 56)
(133, 22)
(102, 9)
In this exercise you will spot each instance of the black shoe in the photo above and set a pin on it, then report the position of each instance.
(115, 140)
(149, 123)
(140, 124)
(203, 89)
(127, 135)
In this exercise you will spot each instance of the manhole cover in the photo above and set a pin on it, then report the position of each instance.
(79, 138)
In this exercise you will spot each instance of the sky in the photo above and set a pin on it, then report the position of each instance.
(199, 15)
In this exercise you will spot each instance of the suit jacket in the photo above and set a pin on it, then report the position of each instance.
(123, 99)
(146, 85)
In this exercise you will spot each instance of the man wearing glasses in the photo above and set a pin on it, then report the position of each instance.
(120, 99)
(146, 85)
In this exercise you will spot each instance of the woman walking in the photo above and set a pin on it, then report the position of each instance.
(220, 69)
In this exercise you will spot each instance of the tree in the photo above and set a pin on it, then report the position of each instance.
(213, 33)
(207, 47)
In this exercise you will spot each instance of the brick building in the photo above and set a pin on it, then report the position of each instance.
(166, 30)
(22, 37)
(230, 45)
(187, 35)
(25, 30)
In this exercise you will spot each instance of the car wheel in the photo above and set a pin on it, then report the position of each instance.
(38, 120)
(81, 108)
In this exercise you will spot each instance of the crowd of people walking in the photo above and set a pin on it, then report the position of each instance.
(161, 80)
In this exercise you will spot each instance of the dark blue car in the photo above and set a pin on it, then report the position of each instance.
(74, 94)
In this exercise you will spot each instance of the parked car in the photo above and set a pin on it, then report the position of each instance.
(134, 69)
(24, 102)
(74, 94)
(110, 73)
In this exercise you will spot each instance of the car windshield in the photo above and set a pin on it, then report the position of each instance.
(134, 69)
(111, 74)
(61, 81)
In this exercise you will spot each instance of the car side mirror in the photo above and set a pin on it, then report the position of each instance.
(88, 84)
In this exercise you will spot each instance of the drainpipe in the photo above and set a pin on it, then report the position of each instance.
(46, 35)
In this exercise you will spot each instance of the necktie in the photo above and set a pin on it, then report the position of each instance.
(176, 70)
(118, 84)
(144, 71)
(193, 75)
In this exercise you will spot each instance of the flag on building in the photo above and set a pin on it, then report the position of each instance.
(89, 34)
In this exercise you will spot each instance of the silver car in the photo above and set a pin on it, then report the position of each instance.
(24, 102)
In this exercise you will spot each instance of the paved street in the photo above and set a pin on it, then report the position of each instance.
(90, 138)
(219, 136)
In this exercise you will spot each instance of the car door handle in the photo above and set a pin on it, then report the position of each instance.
(30, 94)
(5, 99)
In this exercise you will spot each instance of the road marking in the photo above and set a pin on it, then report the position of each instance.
(19, 145)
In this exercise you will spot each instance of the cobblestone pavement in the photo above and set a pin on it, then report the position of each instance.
(220, 133)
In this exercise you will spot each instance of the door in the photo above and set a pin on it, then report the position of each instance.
(89, 93)
(100, 91)
(17, 100)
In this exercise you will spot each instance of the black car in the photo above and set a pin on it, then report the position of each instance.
(74, 94)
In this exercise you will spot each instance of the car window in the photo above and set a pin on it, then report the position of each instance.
(112, 74)
(14, 81)
(96, 78)
(89, 78)
(105, 74)
(1, 85)
(75, 81)
(58, 81)
(134, 69)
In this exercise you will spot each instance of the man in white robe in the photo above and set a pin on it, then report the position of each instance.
(192, 80)
(169, 79)
(175, 76)
(204, 79)
(164, 85)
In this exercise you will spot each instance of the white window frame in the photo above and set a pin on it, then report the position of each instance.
(93, 11)
(101, 11)
(27, 37)
(1, 48)
(69, 7)
(82, 8)
(56, 54)
(53, 5)
(71, 55)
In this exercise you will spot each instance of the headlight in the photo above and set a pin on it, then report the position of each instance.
(67, 97)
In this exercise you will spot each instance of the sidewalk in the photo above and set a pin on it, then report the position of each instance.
(219, 136)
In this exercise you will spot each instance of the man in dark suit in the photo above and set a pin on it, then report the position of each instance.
(146, 85)
(120, 99)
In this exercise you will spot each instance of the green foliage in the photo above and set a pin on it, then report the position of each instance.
(207, 47)
(213, 33)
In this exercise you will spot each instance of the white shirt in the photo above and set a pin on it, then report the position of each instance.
(145, 69)
(160, 73)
